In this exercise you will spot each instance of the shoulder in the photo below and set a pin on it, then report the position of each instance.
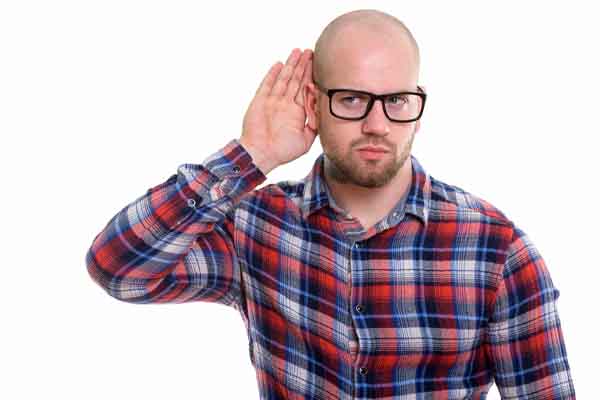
(452, 200)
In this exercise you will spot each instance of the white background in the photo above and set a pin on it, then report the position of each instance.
(101, 100)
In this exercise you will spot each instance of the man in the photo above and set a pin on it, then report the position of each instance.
(369, 279)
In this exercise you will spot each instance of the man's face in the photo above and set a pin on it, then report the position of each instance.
(366, 64)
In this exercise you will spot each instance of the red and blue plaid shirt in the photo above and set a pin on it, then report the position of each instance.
(437, 300)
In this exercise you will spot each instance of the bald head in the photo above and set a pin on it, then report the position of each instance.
(348, 30)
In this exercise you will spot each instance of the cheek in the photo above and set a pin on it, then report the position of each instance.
(410, 130)
(333, 139)
(403, 135)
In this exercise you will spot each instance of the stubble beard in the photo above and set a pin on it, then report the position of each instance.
(342, 168)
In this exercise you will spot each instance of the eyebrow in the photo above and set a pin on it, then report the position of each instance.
(380, 93)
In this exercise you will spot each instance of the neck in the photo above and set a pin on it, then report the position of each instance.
(370, 203)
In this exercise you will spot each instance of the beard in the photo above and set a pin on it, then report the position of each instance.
(347, 167)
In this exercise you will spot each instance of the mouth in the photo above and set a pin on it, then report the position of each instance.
(370, 154)
(373, 149)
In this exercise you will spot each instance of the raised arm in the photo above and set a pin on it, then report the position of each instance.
(176, 242)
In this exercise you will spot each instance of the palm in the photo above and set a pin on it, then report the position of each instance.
(275, 119)
(280, 129)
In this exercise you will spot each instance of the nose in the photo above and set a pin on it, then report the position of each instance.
(376, 121)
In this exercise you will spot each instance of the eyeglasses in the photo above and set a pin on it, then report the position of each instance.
(352, 105)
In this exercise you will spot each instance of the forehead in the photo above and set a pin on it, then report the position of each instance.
(369, 62)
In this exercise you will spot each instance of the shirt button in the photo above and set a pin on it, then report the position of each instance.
(359, 308)
(235, 169)
(362, 370)
(395, 214)
(191, 203)
(357, 245)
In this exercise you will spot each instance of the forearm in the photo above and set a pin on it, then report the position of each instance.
(140, 256)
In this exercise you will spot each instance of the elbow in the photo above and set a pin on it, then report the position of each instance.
(123, 288)
(107, 281)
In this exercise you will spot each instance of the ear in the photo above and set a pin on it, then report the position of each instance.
(310, 105)
(418, 122)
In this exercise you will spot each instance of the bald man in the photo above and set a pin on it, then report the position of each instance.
(367, 279)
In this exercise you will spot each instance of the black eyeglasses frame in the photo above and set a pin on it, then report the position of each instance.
(372, 98)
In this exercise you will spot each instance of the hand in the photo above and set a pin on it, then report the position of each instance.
(274, 130)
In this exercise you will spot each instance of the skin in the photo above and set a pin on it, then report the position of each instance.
(366, 189)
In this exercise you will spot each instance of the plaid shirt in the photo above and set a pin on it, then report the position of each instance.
(436, 301)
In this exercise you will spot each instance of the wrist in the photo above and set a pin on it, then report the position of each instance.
(259, 157)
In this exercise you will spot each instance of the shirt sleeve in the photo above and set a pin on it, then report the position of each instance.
(524, 339)
(175, 243)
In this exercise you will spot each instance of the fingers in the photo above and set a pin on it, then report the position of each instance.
(286, 73)
(269, 80)
(300, 70)
(287, 79)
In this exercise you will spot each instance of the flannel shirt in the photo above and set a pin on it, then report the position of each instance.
(438, 300)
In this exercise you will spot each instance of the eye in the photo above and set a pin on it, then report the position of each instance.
(397, 99)
(349, 99)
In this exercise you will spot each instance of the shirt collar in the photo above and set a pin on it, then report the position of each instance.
(316, 194)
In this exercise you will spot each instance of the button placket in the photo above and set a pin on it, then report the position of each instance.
(359, 308)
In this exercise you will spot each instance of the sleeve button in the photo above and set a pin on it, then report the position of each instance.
(236, 169)
(362, 370)
(191, 203)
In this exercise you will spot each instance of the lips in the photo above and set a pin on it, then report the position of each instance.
(373, 149)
